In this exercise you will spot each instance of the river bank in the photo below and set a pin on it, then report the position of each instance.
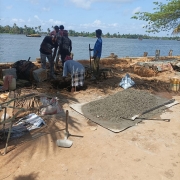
(114, 56)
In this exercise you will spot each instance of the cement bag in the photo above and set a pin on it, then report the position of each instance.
(51, 106)
(126, 82)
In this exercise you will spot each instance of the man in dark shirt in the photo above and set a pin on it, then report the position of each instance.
(46, 50)
(61, 30)
(60, 34)
(65, 46)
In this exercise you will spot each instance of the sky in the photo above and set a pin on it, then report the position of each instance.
(111, 16)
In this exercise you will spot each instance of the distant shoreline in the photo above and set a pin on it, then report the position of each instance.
(118, 36)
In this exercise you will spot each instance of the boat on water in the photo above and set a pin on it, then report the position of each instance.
(33, 35)
(178, 39)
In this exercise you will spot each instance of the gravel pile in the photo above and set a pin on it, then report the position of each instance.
(115, 111)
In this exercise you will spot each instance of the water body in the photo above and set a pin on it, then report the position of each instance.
(18, 47)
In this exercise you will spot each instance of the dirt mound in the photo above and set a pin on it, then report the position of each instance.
(144, 72)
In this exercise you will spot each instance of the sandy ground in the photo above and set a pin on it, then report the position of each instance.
(150, 150)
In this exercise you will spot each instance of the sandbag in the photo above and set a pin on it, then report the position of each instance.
(51, 106)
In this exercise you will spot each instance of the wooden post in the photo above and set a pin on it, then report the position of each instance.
(170, 52)
(67, 119)
(145, 54)
(157, 54)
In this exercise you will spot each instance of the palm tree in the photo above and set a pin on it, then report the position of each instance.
(25, 29)
(48, 30)
(15, 29)
(39, 27)
(14, 25)
(176, 30)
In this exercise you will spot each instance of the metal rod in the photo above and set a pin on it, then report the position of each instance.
(9, 133)
(67, 116)
(5, 110)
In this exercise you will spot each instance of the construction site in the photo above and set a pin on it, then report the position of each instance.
(103, 131)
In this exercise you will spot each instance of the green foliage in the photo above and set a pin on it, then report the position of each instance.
(164, 18)
(18, 30)
(35, 30)
(84, 34)
(176, 30)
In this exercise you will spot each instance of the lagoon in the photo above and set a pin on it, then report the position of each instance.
(17, 47)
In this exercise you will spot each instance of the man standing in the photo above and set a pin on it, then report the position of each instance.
(76, 70)
(65, 46)
(56, 32)
(60, 34)
(61, 30)
(96, 55)
(48, 43)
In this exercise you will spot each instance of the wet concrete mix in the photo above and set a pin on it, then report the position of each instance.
(114, 112)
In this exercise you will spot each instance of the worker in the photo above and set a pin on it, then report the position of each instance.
(77, 72)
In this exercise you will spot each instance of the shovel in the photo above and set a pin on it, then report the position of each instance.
(65, 142)
(90, 55)
(137, 115)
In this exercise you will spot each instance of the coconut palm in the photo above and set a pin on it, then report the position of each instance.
(48, 30)
(25, 31)
(39, 27)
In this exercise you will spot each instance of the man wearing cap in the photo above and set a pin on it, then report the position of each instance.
(76, 70)
(46, 51)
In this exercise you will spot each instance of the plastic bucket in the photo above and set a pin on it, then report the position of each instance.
(12, 84)
(174, 84)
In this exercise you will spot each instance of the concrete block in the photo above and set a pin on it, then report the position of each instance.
(40, 75)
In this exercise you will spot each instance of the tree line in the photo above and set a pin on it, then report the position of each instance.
(38, 30)
(20, 30)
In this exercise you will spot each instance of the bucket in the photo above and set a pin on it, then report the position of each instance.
(174, 84)
(12, 84)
